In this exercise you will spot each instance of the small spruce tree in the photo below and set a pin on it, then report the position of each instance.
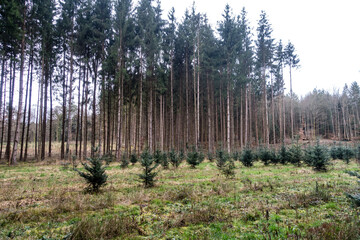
(296, 154)
(221, 158)
(95, 174)
(228, 169)
(355, 197)
(194, 158)
(164, 161)
(317, 157)
(265, 155)
(236, 156)
(149, 165)
(174, 159)
(133, 158)
(157, 156)
(247, 157)
(124, 161)
(284, 155)
(347, 154)
(210, 156)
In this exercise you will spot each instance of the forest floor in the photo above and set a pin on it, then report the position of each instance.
(262, 202)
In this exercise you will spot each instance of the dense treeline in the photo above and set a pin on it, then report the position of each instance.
(129, 78)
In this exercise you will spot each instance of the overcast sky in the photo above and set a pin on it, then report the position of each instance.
(326, 35)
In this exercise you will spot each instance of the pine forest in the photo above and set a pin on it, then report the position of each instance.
(118, 93)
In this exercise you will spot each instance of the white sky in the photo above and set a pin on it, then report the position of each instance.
(325, 33)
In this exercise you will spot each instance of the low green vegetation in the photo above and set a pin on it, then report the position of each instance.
(186, 201)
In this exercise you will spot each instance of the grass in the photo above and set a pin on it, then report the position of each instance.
(262, 202)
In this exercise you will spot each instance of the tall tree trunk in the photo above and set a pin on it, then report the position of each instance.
(78, 115)
(93, 122)
(69, 119)
(209, 106)
(2, 92)
(266, 116)
(51, 117)
(273, 111)
(291, 106)
(29, 111)
(140, 107)
(24, 114)
(62, 151)
(228, 111)
(21, 79)
(85, 125)
(43, 125)
(171, 102)
(11, 97)
(161, 123)
(246, 116)
(195, 103)
(187, 97)
(120, 109)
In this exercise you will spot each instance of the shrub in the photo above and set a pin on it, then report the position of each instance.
(247, 157)
(174, 158)
(355, 198)
(157, 156)
(164, 161)
(228, 169)
(317, 157)
(284, 155)
(108, 158)
(336, 152)
(221, 158)
(266, 156)
(296, 154)
(133, 158)
(236, 156)
(181, 155)
(149, 165)
(124, 162)
(210, 156)
(347, 154)
(194, 158)
(95, 174)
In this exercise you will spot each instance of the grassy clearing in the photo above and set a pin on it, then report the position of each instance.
(262, 202)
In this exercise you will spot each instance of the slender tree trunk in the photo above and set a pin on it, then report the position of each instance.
(171, 102)
(85, 125)
(11, 97)
(62, 153)
(21, 79)
(266, 116)
(198, 93)
(195, 103)
(120, 109)
(246, 116)
(69, 119)
(24, 114)
(43, 125)
(187, 97)
(161, 123)
(29, 111)
(140, 107)
(78, 115)
(2, 92)
(51, 117)
(291, 106)
(228, 111)
(209, 107)
(273, 111)
(93, 122)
